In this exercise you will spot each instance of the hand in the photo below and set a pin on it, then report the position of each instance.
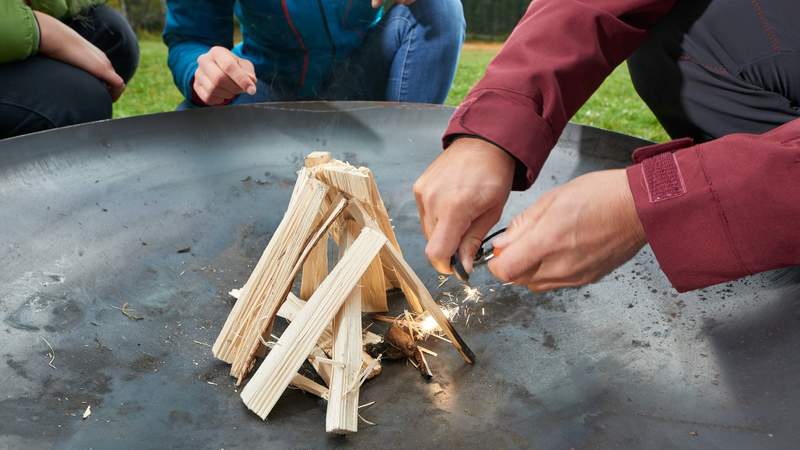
(58, 41)
(221, 76)
(378, 3)
(573, 235)
(460, 197)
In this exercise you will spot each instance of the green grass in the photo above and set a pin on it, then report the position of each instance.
(151, 90)
(615, 106)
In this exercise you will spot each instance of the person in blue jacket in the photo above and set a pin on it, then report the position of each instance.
(313, 49)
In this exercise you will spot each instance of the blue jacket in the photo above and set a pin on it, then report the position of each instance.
(296, 40)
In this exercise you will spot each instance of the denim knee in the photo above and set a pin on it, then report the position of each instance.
(442, 20)
(448, 20)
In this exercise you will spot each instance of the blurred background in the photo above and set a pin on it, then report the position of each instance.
(614, 106)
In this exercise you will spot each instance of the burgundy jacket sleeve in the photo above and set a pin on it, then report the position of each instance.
(721, 210)
(557, 56)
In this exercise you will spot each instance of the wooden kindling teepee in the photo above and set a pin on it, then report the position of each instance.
(330, 198)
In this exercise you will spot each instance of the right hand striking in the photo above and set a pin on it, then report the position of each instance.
(221, 76)
(460, 197)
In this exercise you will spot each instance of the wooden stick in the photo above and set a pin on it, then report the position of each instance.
(423, 365)
(373, 283)
(359, 184)
(315, 268)
(246, 358)
(262, 295)
(412, 282)
(316, 158)
(342, 414)
(283, 361)
(308, 385)
(417, 295)
(289, 310)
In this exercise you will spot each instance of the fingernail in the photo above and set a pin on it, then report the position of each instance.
(501, 241)
(251, 90)
(466, 261)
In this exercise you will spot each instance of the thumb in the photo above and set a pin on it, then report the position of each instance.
(116, 85)
(473, 237)
(377, 3)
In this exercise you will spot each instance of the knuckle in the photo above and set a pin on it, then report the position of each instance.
(418, 187)
(215, 79)
(227, 66)
(502, 273)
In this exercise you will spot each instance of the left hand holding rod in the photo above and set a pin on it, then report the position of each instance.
(573, 235)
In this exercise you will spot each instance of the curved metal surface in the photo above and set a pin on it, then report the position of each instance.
(92, 217)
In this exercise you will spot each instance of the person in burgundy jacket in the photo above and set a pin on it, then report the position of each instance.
(721, 202)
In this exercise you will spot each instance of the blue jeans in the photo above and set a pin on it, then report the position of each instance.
(410, 56)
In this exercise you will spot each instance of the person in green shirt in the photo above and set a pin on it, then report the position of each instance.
(62, 62)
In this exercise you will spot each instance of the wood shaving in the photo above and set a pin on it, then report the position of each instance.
(51, 354)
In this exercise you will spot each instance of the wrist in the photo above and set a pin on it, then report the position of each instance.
(493, 156)
(628, 206)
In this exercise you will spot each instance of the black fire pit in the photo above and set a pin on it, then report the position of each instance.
(167, 213)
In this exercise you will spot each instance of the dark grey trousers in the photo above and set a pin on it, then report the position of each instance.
(40, 93)
(715, 67)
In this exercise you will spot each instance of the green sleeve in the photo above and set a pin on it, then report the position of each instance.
(63, 9)
(55, 8)
(19, 31)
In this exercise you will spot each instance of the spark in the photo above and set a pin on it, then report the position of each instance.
(429, 325)
(471, 294)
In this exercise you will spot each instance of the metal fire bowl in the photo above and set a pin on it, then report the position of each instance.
(94, 216)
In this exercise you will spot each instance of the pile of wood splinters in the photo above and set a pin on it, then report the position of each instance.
(331, 199)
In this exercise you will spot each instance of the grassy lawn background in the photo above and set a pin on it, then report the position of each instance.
(615, 106)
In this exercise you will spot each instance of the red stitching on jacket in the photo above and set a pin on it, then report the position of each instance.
(719, 70)
(762, 19)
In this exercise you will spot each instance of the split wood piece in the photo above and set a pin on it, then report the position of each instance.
(315, 268)
(308, 385)
(244, 361)
(316, 158)
(361, 214)
(342, 413)
(289, 310)
(359, 184)
(385, 223)
(261, 296)
(292, 306)
(300, 337)
(417, 295)
(373, 284)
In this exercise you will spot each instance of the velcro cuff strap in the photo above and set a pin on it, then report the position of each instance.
(663, 177)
